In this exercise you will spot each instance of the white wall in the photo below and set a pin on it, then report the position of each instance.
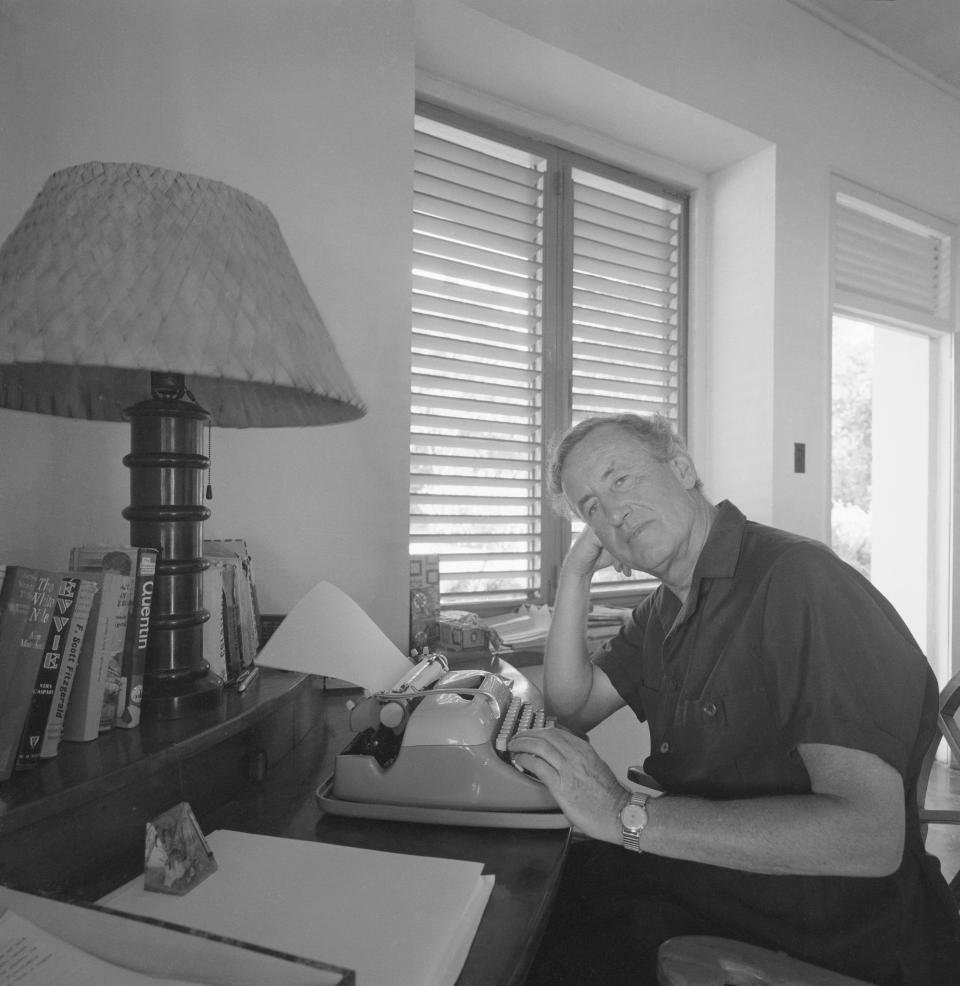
(740, 77)
(306, 106)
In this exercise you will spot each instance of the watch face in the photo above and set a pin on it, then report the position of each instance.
(633, 817)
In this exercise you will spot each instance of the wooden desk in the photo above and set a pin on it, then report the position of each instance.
(74, 828)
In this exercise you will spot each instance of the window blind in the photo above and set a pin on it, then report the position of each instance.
(542, 292)
(626, 260)
(626, 345)
(890, 261)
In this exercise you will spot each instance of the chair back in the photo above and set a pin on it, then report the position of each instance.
(699, 960)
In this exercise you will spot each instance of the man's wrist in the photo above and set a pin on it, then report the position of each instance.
(633, 819)
(574, 572)
(615, 828)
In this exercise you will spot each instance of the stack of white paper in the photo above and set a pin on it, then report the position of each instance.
(529, 625)
(396, 920)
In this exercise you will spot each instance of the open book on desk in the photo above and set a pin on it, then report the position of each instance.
(45, 942)
(396, 920)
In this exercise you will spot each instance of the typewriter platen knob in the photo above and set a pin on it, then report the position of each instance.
(393, 714)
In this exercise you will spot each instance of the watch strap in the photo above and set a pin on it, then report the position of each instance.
(631, 837)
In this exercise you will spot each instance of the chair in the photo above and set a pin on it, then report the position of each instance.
(697, 960)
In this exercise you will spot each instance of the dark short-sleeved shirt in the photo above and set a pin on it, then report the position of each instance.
(782, 643)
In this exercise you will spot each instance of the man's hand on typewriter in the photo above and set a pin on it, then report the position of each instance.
(581, 782)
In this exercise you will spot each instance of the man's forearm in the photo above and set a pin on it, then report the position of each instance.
(851, 823)
(567, 672)
(805, 834)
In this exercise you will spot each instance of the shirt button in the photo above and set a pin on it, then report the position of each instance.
(664, 747)
(709, 709)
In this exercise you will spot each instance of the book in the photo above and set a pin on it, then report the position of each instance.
(137, 639)
(214, 642)
(96, 684)
(35, 725)
(27, 601)
(85, 611)
(335, 898)
(226, 577)
(89, 945)
(241, 594)
(122, 704)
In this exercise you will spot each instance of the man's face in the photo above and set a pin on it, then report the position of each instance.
(639, 508)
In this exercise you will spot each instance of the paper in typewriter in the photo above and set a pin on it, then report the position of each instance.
(327, 633)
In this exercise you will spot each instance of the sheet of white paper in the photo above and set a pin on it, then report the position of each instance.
(137, 942)
(30, 956)
(327, 633)
(397, 920)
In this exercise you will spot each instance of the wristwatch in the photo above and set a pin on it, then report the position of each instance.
(633, 820)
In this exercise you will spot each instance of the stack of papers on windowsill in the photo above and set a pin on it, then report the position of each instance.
(396, 920)
(611, 616)
(527, 627)
(604, 622)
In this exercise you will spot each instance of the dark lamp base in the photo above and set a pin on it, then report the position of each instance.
(178, 699)
(166, 512)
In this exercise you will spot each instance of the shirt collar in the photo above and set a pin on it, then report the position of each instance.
(721, 552)
(718, 559)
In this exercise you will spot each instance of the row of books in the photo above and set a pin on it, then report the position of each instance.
(73, 643)
(232, 634)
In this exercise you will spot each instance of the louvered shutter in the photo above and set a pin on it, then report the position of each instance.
(626, 343)
(626, 300)
(545, 289)
(889, 261)
(476, 359)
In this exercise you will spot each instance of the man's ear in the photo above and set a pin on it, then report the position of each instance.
(685, 470)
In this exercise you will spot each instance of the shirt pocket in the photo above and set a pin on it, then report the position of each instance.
(729, 744)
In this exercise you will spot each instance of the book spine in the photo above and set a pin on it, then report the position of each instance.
(214, 644)
(137, 638)
(98, 672)
(249, 616)
(21, 656)
(234, 553)
(28, 753)
(231, 622)
(119, 603)
(84, 613)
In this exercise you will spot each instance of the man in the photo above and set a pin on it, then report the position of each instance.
(789, 710)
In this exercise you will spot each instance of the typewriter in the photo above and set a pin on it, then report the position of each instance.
(433, 748)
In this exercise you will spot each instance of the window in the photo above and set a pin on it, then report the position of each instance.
(892, 361)
(546, 288)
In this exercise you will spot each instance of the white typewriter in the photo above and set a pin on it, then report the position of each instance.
(433, 748)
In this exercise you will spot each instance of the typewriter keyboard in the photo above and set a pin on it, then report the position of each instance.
(519, 715)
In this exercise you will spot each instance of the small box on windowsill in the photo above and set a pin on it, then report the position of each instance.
(455, 636)
(459, 630)
(479, 658)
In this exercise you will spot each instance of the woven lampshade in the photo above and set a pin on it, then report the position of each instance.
(135, 293)
(117, 270)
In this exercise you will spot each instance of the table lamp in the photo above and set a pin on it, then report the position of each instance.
(130, 292)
